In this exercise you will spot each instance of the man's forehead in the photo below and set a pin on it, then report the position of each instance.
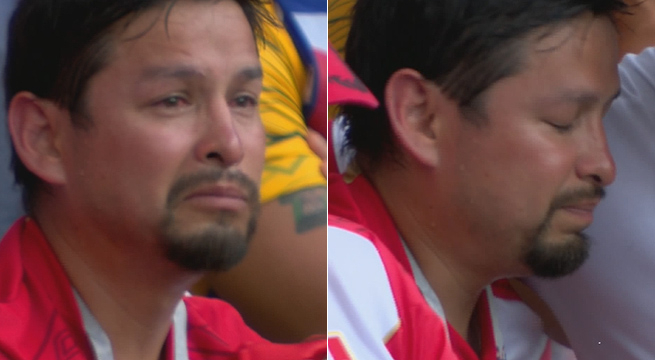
(225, 52)
(162, 30)
(578, 57)
(164, 15)
(186, 71)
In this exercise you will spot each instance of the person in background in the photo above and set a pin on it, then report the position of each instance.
(138, 142)
(484, 161)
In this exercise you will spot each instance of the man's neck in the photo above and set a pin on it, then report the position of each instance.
(457, 292)
(437, 249)
(131, 295)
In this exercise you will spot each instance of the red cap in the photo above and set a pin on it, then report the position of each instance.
(343, 86)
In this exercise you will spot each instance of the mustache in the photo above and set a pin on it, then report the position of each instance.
(574, 196)
(191, 181)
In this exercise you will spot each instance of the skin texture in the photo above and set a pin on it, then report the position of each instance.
(544, 139)
(637, 29)
(168, 117)
(171, 103)
(493, 182)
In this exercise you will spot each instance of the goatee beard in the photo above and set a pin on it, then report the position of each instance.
(219, 245)
(553, 259)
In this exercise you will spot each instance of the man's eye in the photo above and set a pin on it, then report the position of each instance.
(562, 128)
(245, 101)
(173, 101)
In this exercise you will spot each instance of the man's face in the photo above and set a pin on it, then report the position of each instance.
(176, 147)
(529, 176)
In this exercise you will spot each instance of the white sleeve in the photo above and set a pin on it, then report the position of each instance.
(361, 308)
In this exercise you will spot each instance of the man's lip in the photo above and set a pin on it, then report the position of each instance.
(583, 211)
(586, 205)
(219, 191)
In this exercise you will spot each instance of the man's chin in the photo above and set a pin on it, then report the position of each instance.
(197, 220)
(557, 257)
(199, 227)
(208, 246)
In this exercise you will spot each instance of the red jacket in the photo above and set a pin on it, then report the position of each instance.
(40, 319)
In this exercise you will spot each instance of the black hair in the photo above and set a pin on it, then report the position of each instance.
(464, 46)
(55, 46)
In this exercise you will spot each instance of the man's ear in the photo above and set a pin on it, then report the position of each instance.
(35, 126)
(416, 108)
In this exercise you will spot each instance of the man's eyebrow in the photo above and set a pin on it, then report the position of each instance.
(582, 97)
(175, 72)
(591, 98)
(251, 73)
(186, 72)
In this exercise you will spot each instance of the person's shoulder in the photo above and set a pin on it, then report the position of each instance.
(215, 315)
(215, 328)
(375, 309)
(341, 226)
(637, 73)
(359, 259)
(629, 125)
(355, 252)
(643, 59)
(517, 329)
(34, 323)
(11, 266)
(34, 329)
(217, 331)
(358, 283)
